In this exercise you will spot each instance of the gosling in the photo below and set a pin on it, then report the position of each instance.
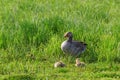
(59, 64)
(79, 64)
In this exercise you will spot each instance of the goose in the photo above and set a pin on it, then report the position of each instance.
(72, 47)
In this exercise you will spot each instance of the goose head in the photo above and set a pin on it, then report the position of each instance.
(68, 34)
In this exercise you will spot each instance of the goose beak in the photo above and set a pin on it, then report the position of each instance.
(65, 35)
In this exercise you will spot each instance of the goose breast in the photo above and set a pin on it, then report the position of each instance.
(66, 47)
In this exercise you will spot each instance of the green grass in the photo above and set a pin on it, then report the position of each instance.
(31, 32)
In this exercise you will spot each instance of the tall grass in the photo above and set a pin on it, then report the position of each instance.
(27, 24)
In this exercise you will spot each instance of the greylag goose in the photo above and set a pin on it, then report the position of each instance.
(72, 47)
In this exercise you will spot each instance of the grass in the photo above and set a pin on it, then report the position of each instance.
(31, 33)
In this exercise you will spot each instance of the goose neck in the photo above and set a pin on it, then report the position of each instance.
(70, 39)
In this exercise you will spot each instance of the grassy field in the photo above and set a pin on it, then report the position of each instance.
(31, 32)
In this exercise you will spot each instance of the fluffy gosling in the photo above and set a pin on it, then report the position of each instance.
(59, 64)
(79, 64)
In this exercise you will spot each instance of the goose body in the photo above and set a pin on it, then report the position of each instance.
(72, 47)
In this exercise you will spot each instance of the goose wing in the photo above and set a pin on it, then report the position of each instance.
(78, 44)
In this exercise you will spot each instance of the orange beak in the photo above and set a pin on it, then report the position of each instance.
(65, 36)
